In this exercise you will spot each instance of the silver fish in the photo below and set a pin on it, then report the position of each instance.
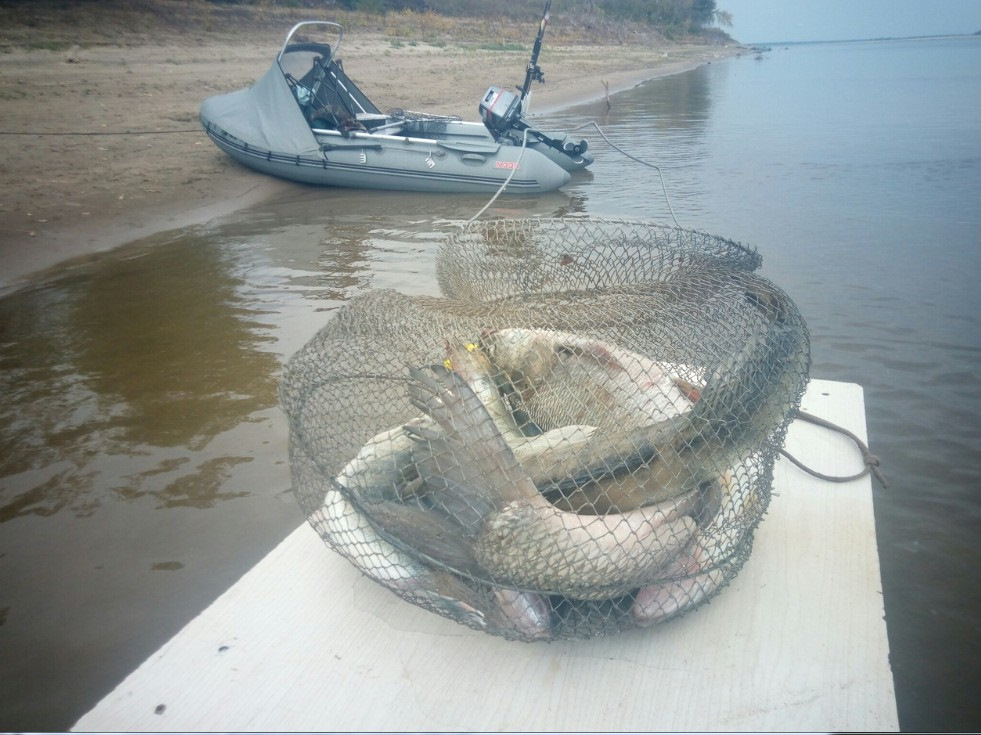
(732, 408)
(518, 537)
(562, 378)
(383, 467)
(701, 569)
(472, 364)
(642, 391)
(558, 376)
(526, 615)
(353, 535)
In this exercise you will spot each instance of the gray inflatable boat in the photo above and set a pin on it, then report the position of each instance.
(305, 120)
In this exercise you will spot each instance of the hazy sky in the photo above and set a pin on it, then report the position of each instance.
(756, 21)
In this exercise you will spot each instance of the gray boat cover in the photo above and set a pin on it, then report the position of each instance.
(266, 115)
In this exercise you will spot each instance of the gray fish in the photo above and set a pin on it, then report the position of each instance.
(562, 378)
(733, 409)
(353, 535)
(637, 390)
(386, 466)
(524, 615)
(704, 566)
(633, 400)
(383, 467)
(518, 537)
(472, 364)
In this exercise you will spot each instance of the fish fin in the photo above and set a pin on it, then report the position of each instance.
(456, 500)
(425, 532)
(690, 391)
(421, 433)
(590, 351)
(469, 457)
(527, 614)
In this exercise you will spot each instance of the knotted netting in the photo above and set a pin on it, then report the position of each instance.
(575, 438)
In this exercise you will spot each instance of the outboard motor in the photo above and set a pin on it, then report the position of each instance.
(500, 109)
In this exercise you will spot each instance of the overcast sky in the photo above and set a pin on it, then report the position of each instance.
(758, 21)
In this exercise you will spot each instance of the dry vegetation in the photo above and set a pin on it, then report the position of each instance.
(61, 25)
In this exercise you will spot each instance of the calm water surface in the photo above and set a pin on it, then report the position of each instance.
(855, 169)
(143, 457)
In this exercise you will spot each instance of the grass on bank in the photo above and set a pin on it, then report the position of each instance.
(57, 26)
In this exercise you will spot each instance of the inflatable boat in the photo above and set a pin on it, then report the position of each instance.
(305, 120)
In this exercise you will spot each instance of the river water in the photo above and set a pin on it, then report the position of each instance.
(143, 461)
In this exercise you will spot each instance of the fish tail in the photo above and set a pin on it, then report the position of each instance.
(529, 614)
(469, 455)
(684, 588)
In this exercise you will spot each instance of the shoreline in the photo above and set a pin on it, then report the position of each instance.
(82, 185)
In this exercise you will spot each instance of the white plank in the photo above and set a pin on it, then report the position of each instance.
(797, 642)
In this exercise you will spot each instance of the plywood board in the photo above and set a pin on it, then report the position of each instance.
(796, 642)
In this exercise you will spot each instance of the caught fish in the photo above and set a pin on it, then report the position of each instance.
(527, 613)
(518, 537)
(704, 566)
(353, 535)
(472, 364)
(383, 466)
(522, 614)
(756, 386)
(561, 379)
(686, 587)
(734, 408)
(564, 452)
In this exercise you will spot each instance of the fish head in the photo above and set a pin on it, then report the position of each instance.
(525, 355)
(468, 360)
(522, 361)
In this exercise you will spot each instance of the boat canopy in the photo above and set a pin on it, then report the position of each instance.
(304, 87)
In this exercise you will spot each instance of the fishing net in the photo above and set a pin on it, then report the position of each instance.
(576, 438)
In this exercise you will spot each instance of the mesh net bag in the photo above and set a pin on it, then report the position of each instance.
(576, 438)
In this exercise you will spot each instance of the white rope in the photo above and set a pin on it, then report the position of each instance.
(591, 123)
(660, 174)
(524, 144)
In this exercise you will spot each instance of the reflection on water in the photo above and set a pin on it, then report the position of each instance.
(665, 122)
(143, 459)
(117, 378)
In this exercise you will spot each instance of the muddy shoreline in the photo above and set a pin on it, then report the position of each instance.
(101, 143)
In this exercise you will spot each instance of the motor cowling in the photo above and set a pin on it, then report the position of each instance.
(499, 109)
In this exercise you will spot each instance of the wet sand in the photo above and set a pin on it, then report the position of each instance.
(101, 145)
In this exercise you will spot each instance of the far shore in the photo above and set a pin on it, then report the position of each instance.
(101, 145)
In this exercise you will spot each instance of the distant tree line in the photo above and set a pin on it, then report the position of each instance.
(669, 16)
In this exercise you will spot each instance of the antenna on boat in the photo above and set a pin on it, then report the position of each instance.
(534, 72)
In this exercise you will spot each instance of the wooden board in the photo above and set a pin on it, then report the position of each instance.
(796, 642)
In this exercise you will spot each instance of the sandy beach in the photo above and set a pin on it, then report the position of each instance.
(101, 145)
